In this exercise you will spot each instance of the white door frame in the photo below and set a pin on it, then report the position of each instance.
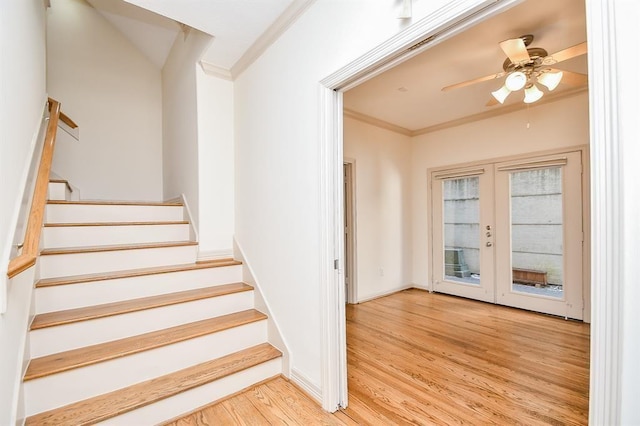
(606, 193)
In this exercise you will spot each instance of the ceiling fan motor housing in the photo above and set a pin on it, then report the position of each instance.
(537, 57)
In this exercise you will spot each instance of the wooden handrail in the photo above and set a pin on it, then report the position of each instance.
(27, 258)
(66, 120)
(64, 117)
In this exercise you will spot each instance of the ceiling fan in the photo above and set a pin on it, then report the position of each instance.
(526, 66)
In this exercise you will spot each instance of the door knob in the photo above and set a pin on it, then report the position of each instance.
(489, 243)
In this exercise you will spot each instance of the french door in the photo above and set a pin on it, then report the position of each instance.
(511, 233)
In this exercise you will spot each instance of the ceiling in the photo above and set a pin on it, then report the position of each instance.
(236, 25)
(410, 96)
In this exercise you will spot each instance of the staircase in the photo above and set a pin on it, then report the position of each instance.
(129, 329)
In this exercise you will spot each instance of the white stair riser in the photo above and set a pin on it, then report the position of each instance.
(58, 298)
(60, 265)
(67, 387)
(61, 338)
(89, 213)
(58, 191)
(80, 236)
(190, 400)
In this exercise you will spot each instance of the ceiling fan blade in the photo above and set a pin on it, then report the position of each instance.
(474, 81)
(572, 78)
(516, 50)
(570, 52)
(491, 102)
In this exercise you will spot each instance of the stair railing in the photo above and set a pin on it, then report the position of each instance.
(31, 244)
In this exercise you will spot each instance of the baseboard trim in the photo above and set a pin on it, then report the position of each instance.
(275, 336)
(386, 293)
(306, 385)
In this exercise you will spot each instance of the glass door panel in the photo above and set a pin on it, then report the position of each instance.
(463, 262)
(461, 198)
(539, 234)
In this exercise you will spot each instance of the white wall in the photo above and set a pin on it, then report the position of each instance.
(22, 101)
(215, 165)
(114, 93)
(277, 110)
(383, 207)
(180, 124)
(22, 98)
(562, 123)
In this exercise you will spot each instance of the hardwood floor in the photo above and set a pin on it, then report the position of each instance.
(420, 358)
(275, 402)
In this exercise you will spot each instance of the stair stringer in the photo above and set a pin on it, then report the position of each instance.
(274, 335)
(21, 316)
(193, 231)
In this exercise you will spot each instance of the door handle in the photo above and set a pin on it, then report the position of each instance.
(489, 243)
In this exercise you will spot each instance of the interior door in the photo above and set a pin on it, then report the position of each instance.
(511, 233)
(463, 237)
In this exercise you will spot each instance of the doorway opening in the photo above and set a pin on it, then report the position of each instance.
(359, 71)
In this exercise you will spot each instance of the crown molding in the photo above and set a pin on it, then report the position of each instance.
(215, 70)
(377, 122)
(266, 39)
(548, 98)
(460, 121)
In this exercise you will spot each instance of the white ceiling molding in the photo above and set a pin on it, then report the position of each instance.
(275, 30)
(376, 122)
(215, 70)
(460, 121)
(499, 111)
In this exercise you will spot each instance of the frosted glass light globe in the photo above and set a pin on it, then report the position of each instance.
(515, 81)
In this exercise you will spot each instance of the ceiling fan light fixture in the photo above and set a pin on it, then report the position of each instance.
(550, 79)
(532, 94)
(515, 81)
(501, 94)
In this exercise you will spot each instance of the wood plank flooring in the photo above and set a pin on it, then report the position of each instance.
(420, 358)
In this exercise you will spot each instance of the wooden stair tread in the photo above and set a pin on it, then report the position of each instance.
(167, 222)
(116, 247)
(68, 316)
(116, 203)
(85, 278)
(106, 406)
(81, 357)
